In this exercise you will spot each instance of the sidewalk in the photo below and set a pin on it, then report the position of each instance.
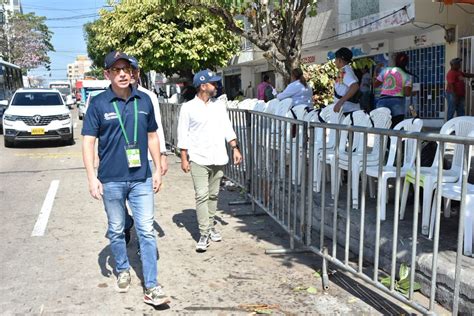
(235, 274)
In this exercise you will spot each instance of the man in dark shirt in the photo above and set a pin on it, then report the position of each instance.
(456, 89)
(123, 120)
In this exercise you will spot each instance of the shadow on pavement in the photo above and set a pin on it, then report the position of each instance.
(378, 302)
(266, 229)
(187, 219)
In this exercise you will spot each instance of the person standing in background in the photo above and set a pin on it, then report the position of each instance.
(456, 88)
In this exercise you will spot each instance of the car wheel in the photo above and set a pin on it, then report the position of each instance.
(70, 141)
(8, 143)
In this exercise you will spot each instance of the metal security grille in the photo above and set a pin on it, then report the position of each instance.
(428, 66)
(466, 52)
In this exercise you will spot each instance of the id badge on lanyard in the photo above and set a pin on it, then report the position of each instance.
(133, 155)
(132, 150)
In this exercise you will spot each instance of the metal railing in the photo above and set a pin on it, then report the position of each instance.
(279, 155)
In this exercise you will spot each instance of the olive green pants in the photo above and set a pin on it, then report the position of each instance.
(206, 181)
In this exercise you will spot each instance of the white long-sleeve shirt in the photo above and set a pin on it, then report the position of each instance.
(298, 93)
(156, 109)
(204, 129)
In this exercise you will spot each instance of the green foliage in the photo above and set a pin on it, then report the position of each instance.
(97, 73)
(162, 38)
(402, 285)
(322, 79)
(362, 63)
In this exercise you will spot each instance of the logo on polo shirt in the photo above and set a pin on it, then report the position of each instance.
(110, 116)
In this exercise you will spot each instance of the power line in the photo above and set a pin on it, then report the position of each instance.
(67, 27)
(74, 17)
(35, 7)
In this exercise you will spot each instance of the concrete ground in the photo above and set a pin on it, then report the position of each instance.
(69, 270)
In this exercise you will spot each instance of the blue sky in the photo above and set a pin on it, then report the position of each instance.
(68, 37)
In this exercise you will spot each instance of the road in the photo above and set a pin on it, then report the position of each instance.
(66, 267)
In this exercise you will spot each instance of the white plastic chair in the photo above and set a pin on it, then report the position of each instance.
(260, 106)
(272, 106)
(326, 115)
(299, 111)
(452, 191)
(379, 118)
(358, 118)
(460, 126)
(389, 170)
(284, 107)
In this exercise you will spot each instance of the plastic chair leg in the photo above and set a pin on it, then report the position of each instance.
(469, 226)
(426, 212)
(406, 186)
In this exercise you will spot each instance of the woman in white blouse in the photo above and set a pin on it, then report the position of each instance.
(298, 90)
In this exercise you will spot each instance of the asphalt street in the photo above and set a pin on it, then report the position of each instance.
(55, 258)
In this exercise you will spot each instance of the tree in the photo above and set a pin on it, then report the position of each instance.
(162, 38)
(276, 27)
(26, 41)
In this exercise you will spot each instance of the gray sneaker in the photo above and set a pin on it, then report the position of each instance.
(123, 281)
(214, 235)
(156, 296)
(203, 243)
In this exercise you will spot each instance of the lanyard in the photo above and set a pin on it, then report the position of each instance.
(135, 131)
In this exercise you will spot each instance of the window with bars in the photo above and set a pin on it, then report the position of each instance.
(428, 67)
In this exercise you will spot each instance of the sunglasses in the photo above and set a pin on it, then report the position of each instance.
(116, 70)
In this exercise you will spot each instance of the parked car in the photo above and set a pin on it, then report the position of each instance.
(82, 109)
(37, 114)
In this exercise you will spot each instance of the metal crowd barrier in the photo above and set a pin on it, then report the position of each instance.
(277, 174)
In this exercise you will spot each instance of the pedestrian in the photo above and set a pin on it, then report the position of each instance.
(249, 91)
(298, 90)
(265, 90)
(129, 222)
(456, 89)
(396, 85)
(346, 89)
(366, 89)
(123, 120)
(203, 129)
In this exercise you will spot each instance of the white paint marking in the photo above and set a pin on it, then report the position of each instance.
(75, 124)
(43, 217)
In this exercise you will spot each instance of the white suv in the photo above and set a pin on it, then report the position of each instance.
(37, 114)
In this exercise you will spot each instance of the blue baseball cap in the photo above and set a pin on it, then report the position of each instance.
(112, 57)
(134, 62)
(205, 76)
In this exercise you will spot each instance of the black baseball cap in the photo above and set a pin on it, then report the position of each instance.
(345, 54)
(113, 57)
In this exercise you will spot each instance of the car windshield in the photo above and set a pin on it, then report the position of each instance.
(37, 98)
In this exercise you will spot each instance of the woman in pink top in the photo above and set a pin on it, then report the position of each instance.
(264, 89)
(396, 83)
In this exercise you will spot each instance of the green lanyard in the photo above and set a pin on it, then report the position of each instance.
(135, 106)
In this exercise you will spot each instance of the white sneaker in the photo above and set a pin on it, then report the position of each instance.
(156, 296)
(214, 235)
(123, 281)
(203, 243)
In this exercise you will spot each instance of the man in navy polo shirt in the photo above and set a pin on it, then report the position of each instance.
(123, 120)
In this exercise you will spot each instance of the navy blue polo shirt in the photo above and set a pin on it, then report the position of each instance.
(102, 122)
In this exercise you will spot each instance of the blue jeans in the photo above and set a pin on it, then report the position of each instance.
(455, 105)
(140, 199)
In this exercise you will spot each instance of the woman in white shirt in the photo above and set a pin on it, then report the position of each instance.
(298, 90)
(346, 89)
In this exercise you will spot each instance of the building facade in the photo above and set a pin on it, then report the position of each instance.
(77, 69)
(430, 32)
